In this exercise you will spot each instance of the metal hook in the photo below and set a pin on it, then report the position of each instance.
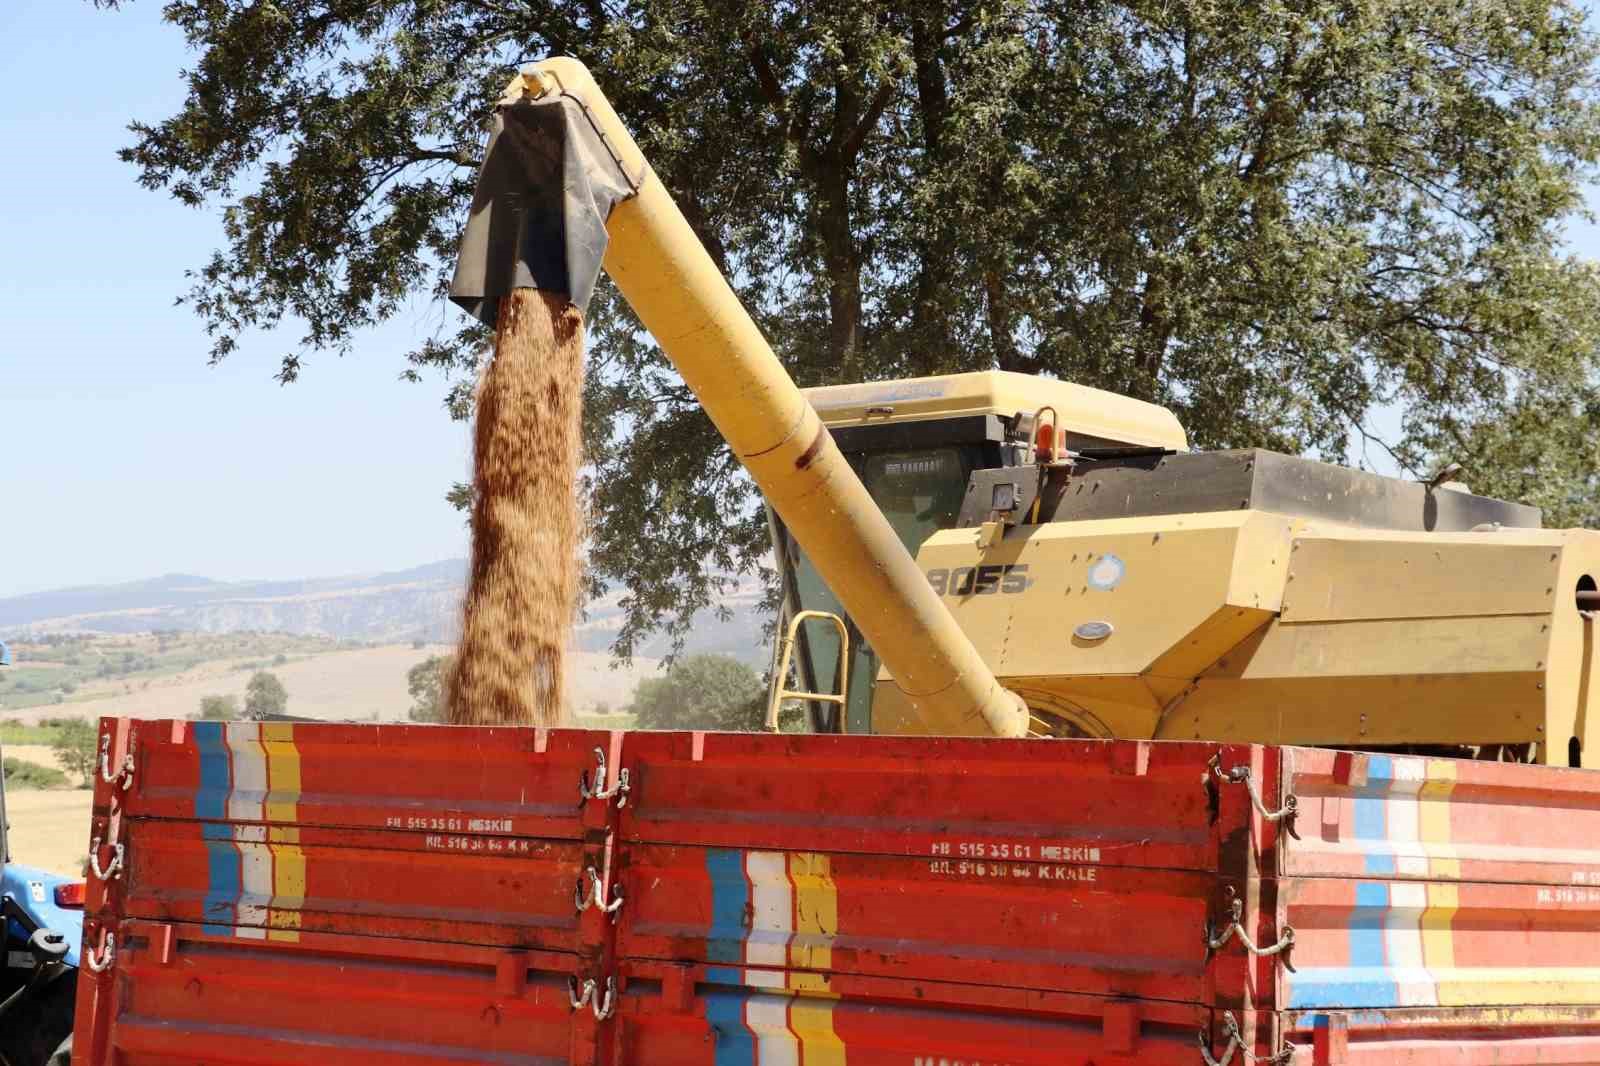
(577, 1000)
(111, 870)
(599, 790)
(125, 773)
(1236, 929)
(596, 896)
(602, 1011)
(106, 959)
(1240, 775)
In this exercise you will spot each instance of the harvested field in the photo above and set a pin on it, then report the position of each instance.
(50, 829)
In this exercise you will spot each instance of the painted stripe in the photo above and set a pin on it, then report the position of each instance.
(1414, 985)
(767, 1018)
(771, 915)
(288, 883)
(1434, 819)
(211, 798)
(812, 1021)
(249, 762)
(1371, 821)
(816, 921)
(772, 912)
(1438, 941)
(255, 881)
(735, 1045)
(245, 798)
(1365, 982)
(282, 805)
(730, 898)
(1404, 817)
(283, 772)
(223, 881)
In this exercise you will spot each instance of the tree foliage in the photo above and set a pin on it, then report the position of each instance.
(264, 696)
(219, 708)
(1297, 222)
(702, 692)
(75, 749)
(426, 684)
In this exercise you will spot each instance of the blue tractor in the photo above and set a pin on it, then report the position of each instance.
(43, 916)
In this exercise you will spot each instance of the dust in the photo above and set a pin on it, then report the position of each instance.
(523, 585)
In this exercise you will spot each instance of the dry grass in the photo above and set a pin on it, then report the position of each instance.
(336, 686)
(522, 586)
(50, 830)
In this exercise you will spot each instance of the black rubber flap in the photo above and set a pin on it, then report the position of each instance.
(539, 213)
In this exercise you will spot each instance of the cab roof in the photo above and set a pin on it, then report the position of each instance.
(1082, 410)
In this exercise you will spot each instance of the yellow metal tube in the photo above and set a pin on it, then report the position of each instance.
(683, 300)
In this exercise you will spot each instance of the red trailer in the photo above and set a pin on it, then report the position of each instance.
(295, 893)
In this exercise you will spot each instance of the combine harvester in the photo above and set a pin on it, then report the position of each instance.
(1165, 881)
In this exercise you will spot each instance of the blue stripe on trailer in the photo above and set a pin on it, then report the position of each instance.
(1371, 815)
(736, 1045)
(224, 882)
(730, 906)
(1367, 981)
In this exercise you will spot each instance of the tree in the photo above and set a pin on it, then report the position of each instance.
(219, 708)
(1278, 219)
(426, 683)
(264, 696)
(75, 749)
(702, 692)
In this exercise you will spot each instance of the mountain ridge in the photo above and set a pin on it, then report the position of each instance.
(416, 603)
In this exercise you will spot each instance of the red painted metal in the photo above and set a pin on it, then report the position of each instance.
(1432, 819)
(422, 895)
(456, 782)
(370, 882)
(1565, 1036)
(1112, 931)
(357, 1000)
(1134, 804)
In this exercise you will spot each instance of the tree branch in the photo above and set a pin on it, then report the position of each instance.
(852, 144)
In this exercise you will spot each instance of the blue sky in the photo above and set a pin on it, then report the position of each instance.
(123, 454)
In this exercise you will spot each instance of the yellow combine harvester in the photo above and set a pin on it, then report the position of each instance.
(1078, 571)
(1126, 587)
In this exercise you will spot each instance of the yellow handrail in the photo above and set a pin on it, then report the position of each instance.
(781, 694)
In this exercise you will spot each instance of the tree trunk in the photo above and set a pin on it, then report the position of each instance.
(842, 261)
(931, 331)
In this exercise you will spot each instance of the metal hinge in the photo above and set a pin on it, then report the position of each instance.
(1236, 1046)
(595, 896)
(125, 774)
(599, 790)
(589, 996)
(112, 869)
(1240, 775)
(1235, 931)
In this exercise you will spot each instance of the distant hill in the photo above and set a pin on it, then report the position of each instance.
(421, 603)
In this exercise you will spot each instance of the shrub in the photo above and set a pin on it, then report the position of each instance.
(20, 773)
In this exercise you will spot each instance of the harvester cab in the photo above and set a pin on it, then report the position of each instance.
(918, 445)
